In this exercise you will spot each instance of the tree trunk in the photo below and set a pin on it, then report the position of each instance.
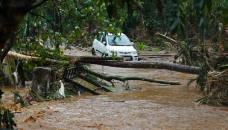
(12, 12)
(35, 59)
(72, 58)
(117, 63)
(155, 65)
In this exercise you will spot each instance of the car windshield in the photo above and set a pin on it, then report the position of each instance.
(121, 40)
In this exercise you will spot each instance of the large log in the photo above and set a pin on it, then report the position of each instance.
(20, 56)
(155, 65)
(93, 59)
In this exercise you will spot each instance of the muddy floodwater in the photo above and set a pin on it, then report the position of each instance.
(147, 106)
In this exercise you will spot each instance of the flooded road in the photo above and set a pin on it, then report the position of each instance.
(147, 106)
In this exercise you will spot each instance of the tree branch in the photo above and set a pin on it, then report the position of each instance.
(43, 18)
(120, 78)
(37, 5)
(139, 8)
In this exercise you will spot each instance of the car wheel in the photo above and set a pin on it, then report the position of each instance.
(93, 52)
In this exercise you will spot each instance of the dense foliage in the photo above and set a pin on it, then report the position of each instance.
(78, 21)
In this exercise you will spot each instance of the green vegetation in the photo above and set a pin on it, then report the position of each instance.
(141, 46)
(114, 56)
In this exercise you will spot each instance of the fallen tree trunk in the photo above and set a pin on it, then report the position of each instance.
(109, 62)
(93, 59)
(155, 65)
(52, 61)
(18, 55)
(35, 59)
(120, 78)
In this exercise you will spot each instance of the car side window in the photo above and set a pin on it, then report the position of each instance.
(103, 39)
(99, 37)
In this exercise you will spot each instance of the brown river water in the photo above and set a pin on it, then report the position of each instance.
(147, 106)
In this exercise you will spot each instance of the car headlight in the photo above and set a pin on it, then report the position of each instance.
(134, 52)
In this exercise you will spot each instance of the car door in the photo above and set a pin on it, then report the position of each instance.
(101, 45)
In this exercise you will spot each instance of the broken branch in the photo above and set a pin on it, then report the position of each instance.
(120, 78)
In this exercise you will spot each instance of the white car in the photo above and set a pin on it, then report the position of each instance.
(109, 44)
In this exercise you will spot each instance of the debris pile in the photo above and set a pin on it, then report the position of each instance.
(216, 89)
(12, 107)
